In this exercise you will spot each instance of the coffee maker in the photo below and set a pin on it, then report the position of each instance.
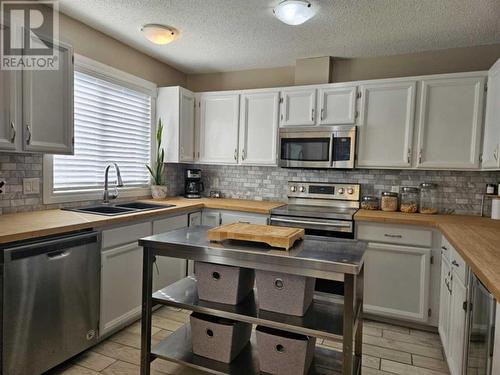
(193, 186)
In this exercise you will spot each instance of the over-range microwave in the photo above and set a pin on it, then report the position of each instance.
(319, 147)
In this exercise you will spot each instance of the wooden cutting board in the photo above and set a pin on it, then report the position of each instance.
(275, 236)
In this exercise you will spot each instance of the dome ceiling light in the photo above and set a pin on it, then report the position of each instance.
(159, 34)
(294, 12)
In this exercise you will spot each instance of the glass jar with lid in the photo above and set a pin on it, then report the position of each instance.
(410, 197)
(429, 198)
(370, 202)
(389, 201)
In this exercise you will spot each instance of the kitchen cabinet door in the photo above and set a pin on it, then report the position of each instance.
(10, 108)
(444, 304)
(450, 122)
(211, 218)
(121, 286)
(186, 126)
(385, 124)
(259, 113)
(298, 107)
(491, 143)
(48, 106)
(219, 116)
(397, 281)
(337, 105)
(458, 317)
(168, 270)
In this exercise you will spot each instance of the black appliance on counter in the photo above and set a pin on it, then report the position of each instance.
(193, 187)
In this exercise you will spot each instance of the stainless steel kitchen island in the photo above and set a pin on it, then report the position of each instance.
(334, 318)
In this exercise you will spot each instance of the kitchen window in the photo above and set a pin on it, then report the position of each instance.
(113, 123)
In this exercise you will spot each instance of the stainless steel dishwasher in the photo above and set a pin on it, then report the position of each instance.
(50, 301)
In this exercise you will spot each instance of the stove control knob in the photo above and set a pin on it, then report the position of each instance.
(293, 188)
(302, 189)
(350, 191)
(341, 191)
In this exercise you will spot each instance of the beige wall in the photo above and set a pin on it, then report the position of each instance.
(432, 62)
(246, 79)
(93, 44)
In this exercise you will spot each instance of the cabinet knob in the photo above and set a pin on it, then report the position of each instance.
(312, 115)
(322, 114)
(455, 263)
(12, 132)
(236, 154)
(28, 138)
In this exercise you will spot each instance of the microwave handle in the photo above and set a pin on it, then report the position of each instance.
(332, 151)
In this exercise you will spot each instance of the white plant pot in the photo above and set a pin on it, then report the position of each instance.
(159, 191)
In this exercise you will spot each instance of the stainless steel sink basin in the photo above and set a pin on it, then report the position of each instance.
(121, 209)
(144, 206)
(105, 210)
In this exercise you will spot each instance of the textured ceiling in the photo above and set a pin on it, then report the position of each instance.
(226, 35)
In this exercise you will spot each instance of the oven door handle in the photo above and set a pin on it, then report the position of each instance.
(347, 225)
(332, 150)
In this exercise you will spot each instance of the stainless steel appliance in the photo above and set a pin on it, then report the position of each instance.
(193, 187)
(321, 147)
(322, 209)
(481, 329)
(50, 301)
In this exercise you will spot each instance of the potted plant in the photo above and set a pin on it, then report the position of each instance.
(158, 189)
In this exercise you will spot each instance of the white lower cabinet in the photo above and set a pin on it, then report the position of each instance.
(453, 307)
(121, 270)
(168, 270)
(211, 218)
(397, 281)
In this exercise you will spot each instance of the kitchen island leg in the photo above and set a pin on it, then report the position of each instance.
(358, 343)
(147, 310)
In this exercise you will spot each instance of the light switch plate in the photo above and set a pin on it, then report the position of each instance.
(31, 186)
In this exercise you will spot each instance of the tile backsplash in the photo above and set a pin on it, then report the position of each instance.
(13, 169)
(460, 192)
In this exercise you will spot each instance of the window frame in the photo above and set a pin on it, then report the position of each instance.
(85, 65)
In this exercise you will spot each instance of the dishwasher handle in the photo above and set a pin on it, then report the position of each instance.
(54, 247)
(58, 255)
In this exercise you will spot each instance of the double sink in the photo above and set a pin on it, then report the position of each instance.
(121, 209)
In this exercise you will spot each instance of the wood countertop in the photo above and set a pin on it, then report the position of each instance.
(22, 226)
(477, 239)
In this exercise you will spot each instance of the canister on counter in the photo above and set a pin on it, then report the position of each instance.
(409, 199)
(389, 201)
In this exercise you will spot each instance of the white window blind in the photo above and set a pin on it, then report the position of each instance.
(112, 124)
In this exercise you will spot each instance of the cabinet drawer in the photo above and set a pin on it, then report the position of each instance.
(458, 266)
(125, 234)
(394, 234)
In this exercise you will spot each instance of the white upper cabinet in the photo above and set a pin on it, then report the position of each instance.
(176, 108)
(259, 113)
(219, 115)
(337, 105)
(450, 122)
(48, 106)
(386, 123)
(298, 107)
(491, 145)
(10, 107)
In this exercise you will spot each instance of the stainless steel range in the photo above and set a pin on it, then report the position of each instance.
(321, 208)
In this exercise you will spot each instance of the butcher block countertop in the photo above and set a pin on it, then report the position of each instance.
(22, 226)
(477, 239)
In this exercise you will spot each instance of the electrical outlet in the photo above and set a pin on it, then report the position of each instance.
(31, 186)
(3, 185)
(395, 189)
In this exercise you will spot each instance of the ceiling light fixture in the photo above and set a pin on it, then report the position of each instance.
(294, 12)
(159, 34)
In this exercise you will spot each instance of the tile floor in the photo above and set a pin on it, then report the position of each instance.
(387, 349)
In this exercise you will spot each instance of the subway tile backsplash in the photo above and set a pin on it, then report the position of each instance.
(460, 192)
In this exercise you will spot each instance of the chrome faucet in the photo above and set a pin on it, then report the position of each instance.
(107, 196)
